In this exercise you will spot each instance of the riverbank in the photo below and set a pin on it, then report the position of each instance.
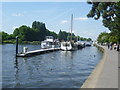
(20, 42)
(105, 75)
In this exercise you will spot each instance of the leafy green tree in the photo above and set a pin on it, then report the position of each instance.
(60, 35)
(64, 35)
(11, 37)
(4, 36)
(24, 33)
(38, 32)
(40, 29)
(113, 39)
(110, 12)
(103, 37)
(0, 37)
(89, 39)
(49, 33)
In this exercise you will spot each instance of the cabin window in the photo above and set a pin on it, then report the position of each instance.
(50, 43)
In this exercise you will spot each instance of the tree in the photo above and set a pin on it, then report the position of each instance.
(110, 12)
(4, 36)
(11, 37)
(64, 35)
(103, 37)
(38, 32)
(89, 39)
(60, 35)
(40, 29)
(49, 33)
(24, 33)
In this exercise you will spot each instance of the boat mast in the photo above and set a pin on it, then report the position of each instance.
(77, 38)
(71, 26)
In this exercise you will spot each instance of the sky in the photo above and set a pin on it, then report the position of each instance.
(55, 15)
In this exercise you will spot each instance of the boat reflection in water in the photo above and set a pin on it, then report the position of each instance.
(66, 53)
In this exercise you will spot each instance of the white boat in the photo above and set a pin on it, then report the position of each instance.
(80, 44)
(56, 43)
(48, 43)
(88, 43)
(69, 45)
(66, 46)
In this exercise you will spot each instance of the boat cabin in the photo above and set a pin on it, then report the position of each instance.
(49, 38)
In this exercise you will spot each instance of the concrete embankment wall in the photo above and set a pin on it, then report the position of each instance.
(100, 48)
(93, 78)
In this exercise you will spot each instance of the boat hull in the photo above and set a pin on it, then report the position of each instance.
(68, 46)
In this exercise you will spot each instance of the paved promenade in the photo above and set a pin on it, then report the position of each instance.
(105, 75)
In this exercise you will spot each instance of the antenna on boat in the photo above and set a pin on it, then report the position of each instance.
(71, 26)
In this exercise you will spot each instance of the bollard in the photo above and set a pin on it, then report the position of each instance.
(16, 45)
(25, 49)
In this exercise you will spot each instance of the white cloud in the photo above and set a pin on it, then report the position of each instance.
(81, 18)
(17, 14)
(64, 21)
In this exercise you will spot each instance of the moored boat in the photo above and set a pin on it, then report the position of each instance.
(50, 42)
(66, 46)
(69, 45)
(80, 44)
(88, 43)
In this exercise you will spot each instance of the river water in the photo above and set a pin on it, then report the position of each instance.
(59, 69)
